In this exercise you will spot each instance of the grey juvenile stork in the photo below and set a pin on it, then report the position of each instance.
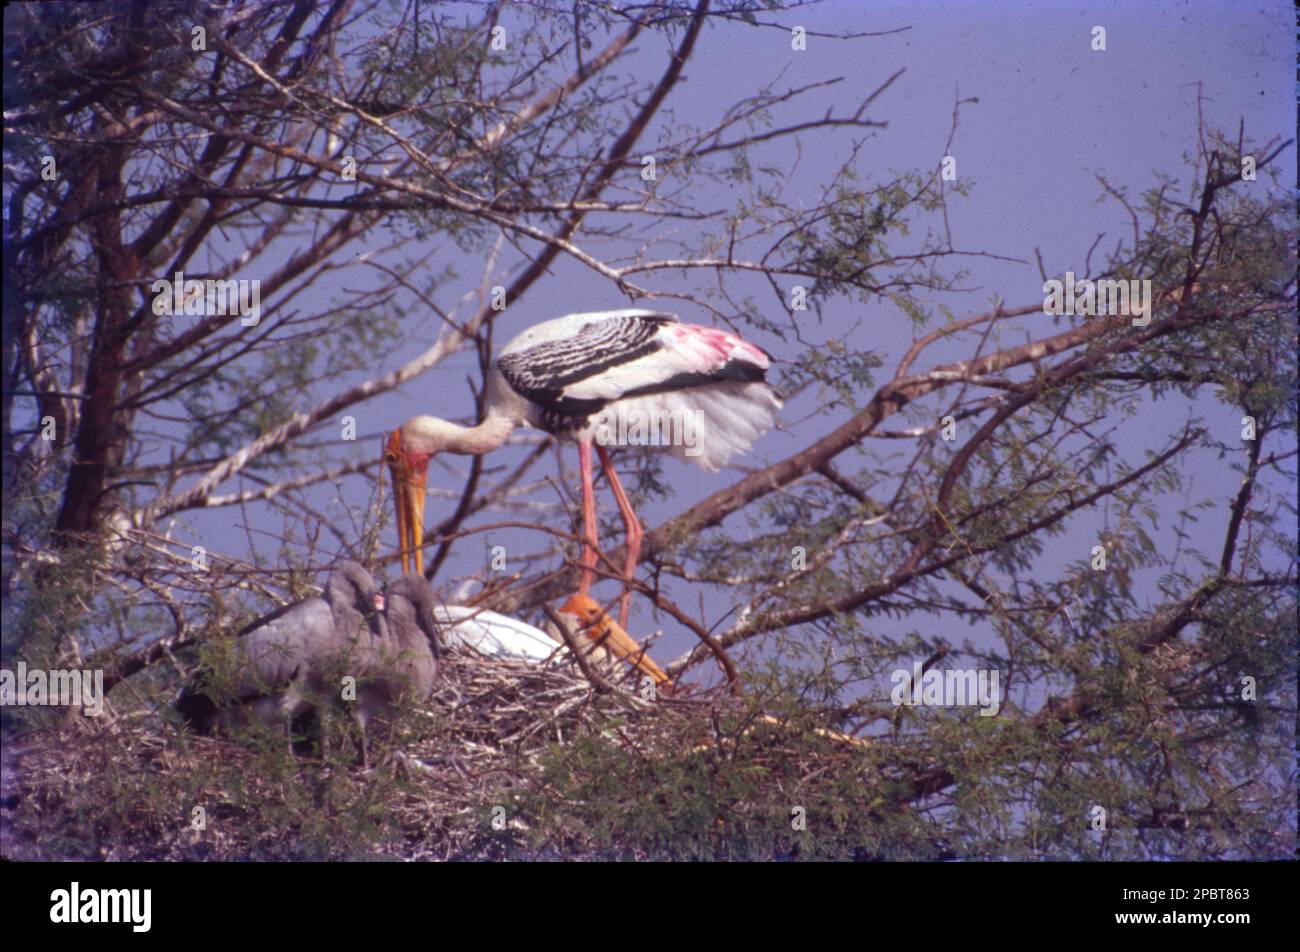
(402, 663)
(289, 661)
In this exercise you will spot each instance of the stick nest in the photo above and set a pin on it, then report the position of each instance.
(132, 784)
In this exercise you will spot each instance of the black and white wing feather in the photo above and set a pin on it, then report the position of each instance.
(643, 362)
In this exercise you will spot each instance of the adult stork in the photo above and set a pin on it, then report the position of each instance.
(500, 636)
(623, 377)
(493, 635)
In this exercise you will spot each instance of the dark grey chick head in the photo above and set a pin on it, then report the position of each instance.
(352, 586)
(354, 599)
(409, 605)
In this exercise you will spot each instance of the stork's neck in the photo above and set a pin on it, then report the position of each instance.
(424, 434)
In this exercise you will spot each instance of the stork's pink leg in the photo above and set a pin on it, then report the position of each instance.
(589, 540)
(634, 533)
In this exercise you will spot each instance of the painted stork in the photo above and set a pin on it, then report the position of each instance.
(628, 377)
(494, 635)
(499, 636)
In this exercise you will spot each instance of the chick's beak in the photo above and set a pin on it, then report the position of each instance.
(410, 476)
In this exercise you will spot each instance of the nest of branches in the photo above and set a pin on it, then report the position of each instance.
(490, 728)
(456, 777)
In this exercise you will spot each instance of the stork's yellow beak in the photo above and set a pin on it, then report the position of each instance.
(603, 630)
(410, 476)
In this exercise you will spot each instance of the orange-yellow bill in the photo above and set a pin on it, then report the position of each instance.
(599, 627)
(409, 479)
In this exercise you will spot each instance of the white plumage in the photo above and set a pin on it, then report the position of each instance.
(728, 418)
(492, 635)
(558, 374)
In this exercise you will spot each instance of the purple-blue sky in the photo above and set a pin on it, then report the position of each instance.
(1051, 115)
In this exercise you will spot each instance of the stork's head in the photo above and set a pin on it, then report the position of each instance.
(409, 450)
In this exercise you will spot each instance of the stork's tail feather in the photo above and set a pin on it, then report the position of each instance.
(729, 418)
